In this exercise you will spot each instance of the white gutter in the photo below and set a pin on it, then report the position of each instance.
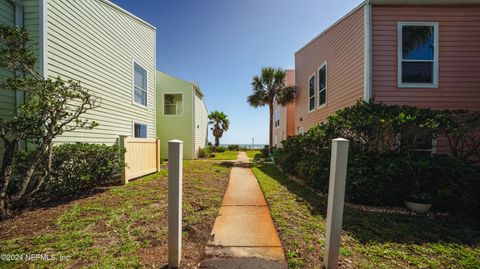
(367, 20)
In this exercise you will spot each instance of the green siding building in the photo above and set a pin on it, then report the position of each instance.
(181, 114)
(111, 51)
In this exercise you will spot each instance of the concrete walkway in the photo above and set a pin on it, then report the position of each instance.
(244, 235)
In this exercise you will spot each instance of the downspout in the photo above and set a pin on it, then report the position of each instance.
(367, 18)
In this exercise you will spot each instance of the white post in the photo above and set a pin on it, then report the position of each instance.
(175, 175)
(336, 195)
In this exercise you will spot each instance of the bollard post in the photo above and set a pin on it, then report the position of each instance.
(175, 178)
(336, 195)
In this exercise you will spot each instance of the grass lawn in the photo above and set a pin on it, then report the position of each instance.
(369, 239)
(254, 154)
(226, 155)
(122, 227)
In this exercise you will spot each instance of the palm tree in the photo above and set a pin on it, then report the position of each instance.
(268, 89)
(220, 125)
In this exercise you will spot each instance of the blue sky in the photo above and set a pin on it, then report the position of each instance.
(222, 44)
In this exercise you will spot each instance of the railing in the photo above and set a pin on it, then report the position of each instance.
(142, 157)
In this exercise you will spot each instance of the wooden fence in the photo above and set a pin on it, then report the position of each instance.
(142, 157)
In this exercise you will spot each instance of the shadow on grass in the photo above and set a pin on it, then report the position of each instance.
(385, 227)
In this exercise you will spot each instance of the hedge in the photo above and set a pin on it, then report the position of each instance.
(383, 167)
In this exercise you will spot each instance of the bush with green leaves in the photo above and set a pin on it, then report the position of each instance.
(81, 166)
(384, 167)
(233, 147)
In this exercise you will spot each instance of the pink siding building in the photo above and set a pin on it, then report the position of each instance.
(284, 116)
(421, 53)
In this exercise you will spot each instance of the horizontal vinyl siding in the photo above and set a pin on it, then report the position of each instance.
(201, 123)
(7, 97)
(90, 41)
(459, 56)
(342, 48)
(175, 127)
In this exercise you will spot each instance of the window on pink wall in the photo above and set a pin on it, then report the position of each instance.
(418, 54)
(322, 85)
(311, 93)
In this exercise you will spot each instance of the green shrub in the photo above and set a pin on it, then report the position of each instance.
(265, 151)
(203, 153)
(383, 166)
(220, 149)
(81, 166)
(233, 147)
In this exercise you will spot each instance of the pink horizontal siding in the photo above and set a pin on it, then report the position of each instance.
(342, 47)
(459, 56)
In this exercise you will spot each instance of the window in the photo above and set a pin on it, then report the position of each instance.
(322, 85)
(139, 130)
(418, 54)
(311, 93)
(172, 104)
(301, 131)
(139, 85)
(276, 118)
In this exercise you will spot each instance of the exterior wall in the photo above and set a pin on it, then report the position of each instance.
(459, 58)
(200, 125)
(172, 126)
(342, 48)
(95, 42)
(291, 106)
(287, 116)
(7, 97)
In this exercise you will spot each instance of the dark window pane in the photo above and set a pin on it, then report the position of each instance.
(417, 42)
(311, 87)
(322, 78)
(140, 131)
(322, 99)
(312, 104)
(417, 72)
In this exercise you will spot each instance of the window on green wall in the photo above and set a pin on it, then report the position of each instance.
(173, 104)
(139, 85)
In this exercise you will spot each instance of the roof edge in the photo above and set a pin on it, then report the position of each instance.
(124, 11)
(334, 24)
(424, 2)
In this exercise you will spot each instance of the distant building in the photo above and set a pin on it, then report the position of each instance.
(284, 116)
(419, 53)
(181, 114)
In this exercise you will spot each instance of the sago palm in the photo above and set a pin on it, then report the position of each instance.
(268, 89)
(220, 125)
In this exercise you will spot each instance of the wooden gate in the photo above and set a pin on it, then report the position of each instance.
(142, 157)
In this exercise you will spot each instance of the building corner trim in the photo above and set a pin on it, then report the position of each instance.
(43, 38)
(367, 18)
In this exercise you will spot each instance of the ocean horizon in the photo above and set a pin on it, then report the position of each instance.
(254, 146)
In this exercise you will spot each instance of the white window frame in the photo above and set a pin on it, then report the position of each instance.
(400, 60)
(301, 130)
(276, 118)
(133, 85)
(163, 104)
(139, 123)
(314, 93)
(326, 85)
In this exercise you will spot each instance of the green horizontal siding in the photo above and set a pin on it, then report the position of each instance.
(95, 43)
(172, 126)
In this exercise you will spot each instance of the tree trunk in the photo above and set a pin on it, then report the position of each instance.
(6, 176)
(217, 141)
(270, 144)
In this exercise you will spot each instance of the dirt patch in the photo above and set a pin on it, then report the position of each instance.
(122, 227)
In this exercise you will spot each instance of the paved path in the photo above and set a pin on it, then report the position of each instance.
(244, 235)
